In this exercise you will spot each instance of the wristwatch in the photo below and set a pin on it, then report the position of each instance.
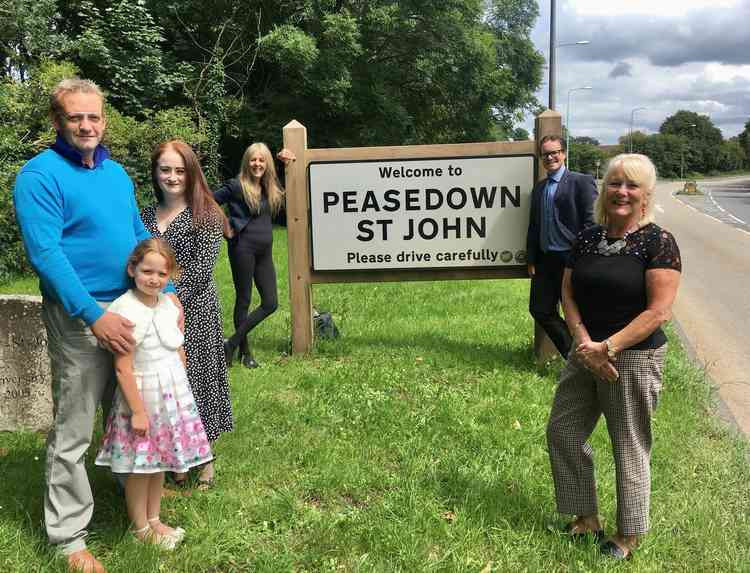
(611, 350)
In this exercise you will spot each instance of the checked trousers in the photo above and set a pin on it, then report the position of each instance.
(627, 406)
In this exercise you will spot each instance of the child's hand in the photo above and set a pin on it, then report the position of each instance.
(139, 422)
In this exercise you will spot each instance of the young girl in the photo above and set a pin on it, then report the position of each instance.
(153, 425)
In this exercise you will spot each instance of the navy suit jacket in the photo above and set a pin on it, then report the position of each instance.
(574, 200)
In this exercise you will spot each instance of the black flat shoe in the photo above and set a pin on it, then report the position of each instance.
(249, 362)
(611, 549)
(598, 534)
(229, 349)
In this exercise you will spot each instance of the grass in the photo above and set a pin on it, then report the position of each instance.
(414, 442)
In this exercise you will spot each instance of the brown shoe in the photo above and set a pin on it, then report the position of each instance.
(83, 562)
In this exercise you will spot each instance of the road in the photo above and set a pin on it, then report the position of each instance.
(713, 302)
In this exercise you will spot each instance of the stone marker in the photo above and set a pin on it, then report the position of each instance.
(25, 390)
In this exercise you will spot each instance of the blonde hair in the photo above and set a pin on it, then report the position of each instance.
(269, 183)
(70, 86)
(160, 247)
(634, 167)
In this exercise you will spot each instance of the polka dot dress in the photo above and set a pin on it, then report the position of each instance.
(196, 251)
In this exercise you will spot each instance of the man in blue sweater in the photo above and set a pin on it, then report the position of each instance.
(79, 221)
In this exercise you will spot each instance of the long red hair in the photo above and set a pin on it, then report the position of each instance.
(197, 194)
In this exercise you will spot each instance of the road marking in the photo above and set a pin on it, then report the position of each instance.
(709, 194)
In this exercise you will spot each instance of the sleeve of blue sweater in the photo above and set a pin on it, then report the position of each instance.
(39, 211)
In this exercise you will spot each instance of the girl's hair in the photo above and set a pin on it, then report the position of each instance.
(269, 183)
(634, 167)
(158, 246)
(197, 194)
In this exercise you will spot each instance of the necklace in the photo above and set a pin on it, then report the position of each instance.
(605, 249)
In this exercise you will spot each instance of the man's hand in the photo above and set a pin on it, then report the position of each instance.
(178, 304)
(531, 269)
(139, 423)
(114, 332)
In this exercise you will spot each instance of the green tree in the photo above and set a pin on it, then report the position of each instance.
(703, 138)
(362, 73)
(584, 139)
(120, 46)
(732, 156)
(744, 139)
(586, 158)
(29, 32)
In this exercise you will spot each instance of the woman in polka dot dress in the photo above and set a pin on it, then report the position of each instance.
(187, 217)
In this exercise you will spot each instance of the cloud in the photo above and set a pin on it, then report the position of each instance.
(706, 35)
(621, 69)
(665, 60)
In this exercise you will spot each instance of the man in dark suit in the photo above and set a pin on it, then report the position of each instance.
(561, 206)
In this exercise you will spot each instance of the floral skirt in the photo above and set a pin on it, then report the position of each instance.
(175, 440)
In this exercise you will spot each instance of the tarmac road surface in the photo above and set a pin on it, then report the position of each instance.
(713, 301)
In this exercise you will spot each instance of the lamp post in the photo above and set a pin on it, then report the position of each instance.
(553, 45)
(567, 119)
(682, 155)
(630, 133)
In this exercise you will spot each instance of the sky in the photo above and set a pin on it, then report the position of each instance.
(661, 55)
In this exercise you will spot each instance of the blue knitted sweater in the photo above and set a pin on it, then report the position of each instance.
(79, 225)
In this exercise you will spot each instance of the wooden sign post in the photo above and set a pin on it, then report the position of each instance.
(405, 213)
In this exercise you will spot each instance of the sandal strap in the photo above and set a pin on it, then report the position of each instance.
(143, 529)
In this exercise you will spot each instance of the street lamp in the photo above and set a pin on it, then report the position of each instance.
(630, 133)
(553, 45)
(682, 155)
(567, 119)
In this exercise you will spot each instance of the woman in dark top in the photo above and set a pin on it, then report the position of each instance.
(618, 289)
(187, 217)
(252, 199)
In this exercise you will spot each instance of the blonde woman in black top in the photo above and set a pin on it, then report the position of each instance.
(252, 199)
(618, 288)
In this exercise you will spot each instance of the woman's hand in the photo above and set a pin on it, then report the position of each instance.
(286, 156)
(139, 423)
(595, 358)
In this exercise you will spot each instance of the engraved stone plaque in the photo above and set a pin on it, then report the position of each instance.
(25, 387)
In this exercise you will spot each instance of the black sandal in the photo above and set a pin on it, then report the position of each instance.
(611, 549)
(598, 534)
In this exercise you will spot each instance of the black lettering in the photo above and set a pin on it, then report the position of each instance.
(384, 226)
(480, 228)
(461, 198)
(370, 202)
(365, 230)
(385, 172)
(482, 198)
(506, 194)
(428, 197)
(329, 200)
(448, 227)
(410, 234)
(391, 199)
(412, 199)
(423, 228)
(349, 201)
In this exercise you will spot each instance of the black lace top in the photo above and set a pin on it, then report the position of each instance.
(610, 290)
